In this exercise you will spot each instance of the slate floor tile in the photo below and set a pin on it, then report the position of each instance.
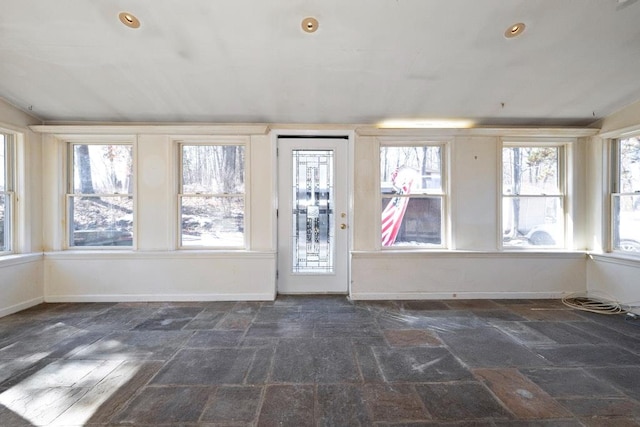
(451, 401)
(588, 355)
(235, 321)
(564, 333)
(488, 347)
(205, 320)
(551, 314)
(472, 304)
(169, 319)
(570, 422)
(367, 364)
(233, 405)
(287, 405)
(207, 367)
(111, 394)
(411, 338)
(497, 315)
(625, 378)
(437, 321)
(419, 364)
(279, 330)
(523, 333)
(135, 345)
(611, 336)
(571, 382)
(520, 395)
(395, 402)
(323, 360)
(423, 305)
(161, 405)
(209, 339)
(602, 407)
(342, 405)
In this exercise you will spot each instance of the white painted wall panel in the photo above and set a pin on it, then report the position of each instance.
(21, 283)
(465, 275)
(154, 276)
(475, 193)
(615, 279)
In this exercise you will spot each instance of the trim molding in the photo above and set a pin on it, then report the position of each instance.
(21, 306)
(151, 129)
(481, 131)
(155, 255)
(616, 259)
(160, 297)
(456, 295)
(17, 259)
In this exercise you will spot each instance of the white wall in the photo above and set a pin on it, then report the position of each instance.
(609, 275)
(155, 270)
(21, 279)
(476, 267)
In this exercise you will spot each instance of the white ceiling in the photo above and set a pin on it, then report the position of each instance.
(250, 61)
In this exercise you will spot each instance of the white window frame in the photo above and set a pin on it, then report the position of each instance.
(564, 185)
(70, 195)
(223, 141)
(615, 191)
(9, 192)
(443, 193)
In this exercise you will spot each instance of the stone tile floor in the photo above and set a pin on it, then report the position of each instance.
(319, 361)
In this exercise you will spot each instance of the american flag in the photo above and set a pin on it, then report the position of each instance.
(392, 215)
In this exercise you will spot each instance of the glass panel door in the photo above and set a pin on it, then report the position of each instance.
(313, 229)
(312, 220)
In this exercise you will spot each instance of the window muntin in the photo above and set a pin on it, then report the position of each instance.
(100, 196)
(6, 193)
(412, 196)
(212, 196)
(533, 197)
(625, 203)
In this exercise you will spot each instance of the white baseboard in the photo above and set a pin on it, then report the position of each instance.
(21, 306)
(160, 298)
(456, 295)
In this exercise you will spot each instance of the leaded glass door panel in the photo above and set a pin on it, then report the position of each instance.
(312, 216)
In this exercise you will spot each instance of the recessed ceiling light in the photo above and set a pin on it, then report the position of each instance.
(309, 24)
(426, 124)
(514, 30)
(129, 20)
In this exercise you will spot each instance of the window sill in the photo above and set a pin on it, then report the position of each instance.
(17, 259)
(470, 254)
(616, 258)
(173, 254)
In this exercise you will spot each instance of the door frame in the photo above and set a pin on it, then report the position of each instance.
(349, 138)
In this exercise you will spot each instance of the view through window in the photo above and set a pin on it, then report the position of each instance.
(412, 195)
(100, 198)
(6, 194)
(532, 197)
(212, 187)
(625, 201)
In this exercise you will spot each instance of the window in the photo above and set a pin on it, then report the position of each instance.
(533, 196)
(6, 192)
(625, 201)
(211, 195)
(100, 195)
(412, 196)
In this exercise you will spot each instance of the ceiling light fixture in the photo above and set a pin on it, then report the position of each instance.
(426, 124)
(129, 20)
(514, 30)
(310, 25)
